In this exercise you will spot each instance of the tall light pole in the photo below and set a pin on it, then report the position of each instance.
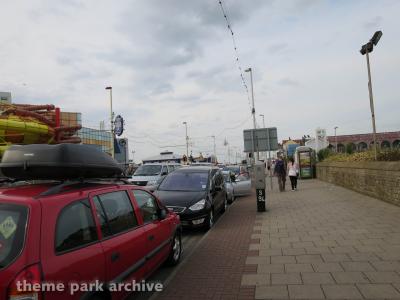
(336, 138)
(133, 156)
(263, 118)
(112, 121)
(261, 115)
(253, 110)
(269, 152)
(187, 141)
(215, 148)
(366, 49)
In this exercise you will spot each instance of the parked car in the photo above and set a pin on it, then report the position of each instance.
(107, 232)
(229, 179)
(77, 231)
(237, 169)
(201, 164)
(236, 186)
(149, 175)
(242, 185)
(197, 194)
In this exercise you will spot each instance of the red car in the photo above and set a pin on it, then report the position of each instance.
(73, 234)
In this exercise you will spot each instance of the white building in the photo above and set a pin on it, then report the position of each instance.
(320, 141)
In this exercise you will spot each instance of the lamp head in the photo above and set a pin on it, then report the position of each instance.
(109, 88)
(376, 37)
(368, 47)
(248, 70)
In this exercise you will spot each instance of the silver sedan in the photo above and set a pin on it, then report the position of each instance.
(236, 186)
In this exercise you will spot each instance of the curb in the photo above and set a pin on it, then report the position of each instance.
(173, 273)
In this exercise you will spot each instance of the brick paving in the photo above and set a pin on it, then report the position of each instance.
(215, 268)
(320, 242)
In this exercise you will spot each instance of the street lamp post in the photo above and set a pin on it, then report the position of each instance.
(366, 49)
(215, 150)
(253, 110)
(112, 121)
(261, 115)
(187, 140)
(336, 138)
(133, 156)
(269, 152)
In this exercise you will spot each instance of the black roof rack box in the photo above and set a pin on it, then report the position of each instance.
(58, 162)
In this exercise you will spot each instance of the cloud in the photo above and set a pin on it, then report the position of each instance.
(375, 23)
(288, 82)
(171, 61)
(277, 47)
(305, 4)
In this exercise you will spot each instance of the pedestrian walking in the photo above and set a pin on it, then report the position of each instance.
(293, 172)
(280, 172)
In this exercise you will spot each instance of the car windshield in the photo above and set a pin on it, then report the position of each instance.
(185, 181)
(243, 177)
(148, 170)
(234, 169)
(12, 232)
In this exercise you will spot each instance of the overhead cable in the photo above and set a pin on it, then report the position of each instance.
(236, 51)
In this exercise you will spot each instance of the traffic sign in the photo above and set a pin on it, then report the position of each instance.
(265, 139)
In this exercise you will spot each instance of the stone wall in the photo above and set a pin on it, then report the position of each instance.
(380, 180)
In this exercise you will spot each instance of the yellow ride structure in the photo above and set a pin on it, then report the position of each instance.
(33, 124)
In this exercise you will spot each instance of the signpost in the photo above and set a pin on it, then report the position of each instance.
(259, 176)
(260, 200)
(261, 139)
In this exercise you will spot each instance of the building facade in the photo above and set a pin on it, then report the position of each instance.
(101, 139)
(364, 142)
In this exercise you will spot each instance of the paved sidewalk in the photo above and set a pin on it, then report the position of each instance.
(319, 242)
(325, 241)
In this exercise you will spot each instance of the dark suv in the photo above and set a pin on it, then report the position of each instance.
(82, 232)
(195, 193)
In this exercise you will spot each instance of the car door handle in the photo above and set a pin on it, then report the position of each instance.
(150, 237)
(115, 256)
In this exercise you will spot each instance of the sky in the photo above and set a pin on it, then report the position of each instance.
(172, 61)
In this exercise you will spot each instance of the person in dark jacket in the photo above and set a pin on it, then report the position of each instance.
(280, 172)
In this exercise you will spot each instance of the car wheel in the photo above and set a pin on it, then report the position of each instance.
(209, 222)
(225, 205)
(176, 250)
(230, 200)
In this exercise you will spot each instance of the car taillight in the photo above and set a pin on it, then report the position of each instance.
(27, 285)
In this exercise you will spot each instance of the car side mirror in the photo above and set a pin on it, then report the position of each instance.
(164, 173)
(162, 214)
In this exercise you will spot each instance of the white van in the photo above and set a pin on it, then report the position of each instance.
(149, 175)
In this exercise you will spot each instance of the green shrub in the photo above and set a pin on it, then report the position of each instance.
(382, 155)
(389, 155)
(349, 148)
(324, 154)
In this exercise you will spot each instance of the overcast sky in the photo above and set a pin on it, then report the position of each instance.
(171, 61)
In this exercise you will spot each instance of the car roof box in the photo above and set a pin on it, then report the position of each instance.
(58, 162)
